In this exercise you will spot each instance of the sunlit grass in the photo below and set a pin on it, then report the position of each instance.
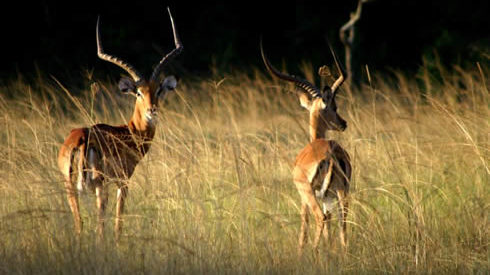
(215, 194)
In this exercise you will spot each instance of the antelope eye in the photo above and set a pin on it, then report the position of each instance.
(139, 94)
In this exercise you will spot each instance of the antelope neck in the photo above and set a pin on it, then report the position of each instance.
(317, 126)
(140, 127)
(316, 133)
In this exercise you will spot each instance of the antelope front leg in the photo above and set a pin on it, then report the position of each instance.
(343, 205)
(122, 193)
(102, 197)
(326, 229)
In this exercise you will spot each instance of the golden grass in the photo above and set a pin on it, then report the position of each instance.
(215, 193)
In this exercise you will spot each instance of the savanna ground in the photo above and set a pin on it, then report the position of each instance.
(215, 193)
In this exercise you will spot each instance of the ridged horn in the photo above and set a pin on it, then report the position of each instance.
(343, 73)
(302, 83)
(102, 55)
(178, 49)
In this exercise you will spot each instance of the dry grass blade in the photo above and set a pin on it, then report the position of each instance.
(215, 194)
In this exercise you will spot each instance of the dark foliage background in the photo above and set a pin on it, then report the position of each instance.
(58, 37)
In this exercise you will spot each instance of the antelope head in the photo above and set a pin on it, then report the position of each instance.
(320, 103)
(148, 92)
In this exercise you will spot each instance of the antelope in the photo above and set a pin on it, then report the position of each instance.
(91, 156)
(322, 170)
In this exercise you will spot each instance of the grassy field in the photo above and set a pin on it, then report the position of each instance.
(215, 193)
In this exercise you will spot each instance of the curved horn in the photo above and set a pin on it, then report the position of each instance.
(102, 55)
(343, 73)
(178, 48)
(302, 83)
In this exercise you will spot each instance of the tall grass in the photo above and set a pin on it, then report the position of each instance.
(215, 193)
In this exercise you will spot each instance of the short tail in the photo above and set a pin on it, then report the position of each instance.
(71, 158)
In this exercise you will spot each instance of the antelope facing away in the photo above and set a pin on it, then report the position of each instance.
(322, 169)
(91, 156)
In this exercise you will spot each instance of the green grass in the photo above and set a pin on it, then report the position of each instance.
(215, 194)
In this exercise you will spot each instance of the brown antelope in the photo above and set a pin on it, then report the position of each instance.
(91, 156)
(322, 169)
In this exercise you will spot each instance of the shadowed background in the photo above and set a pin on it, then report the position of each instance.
(59, 36)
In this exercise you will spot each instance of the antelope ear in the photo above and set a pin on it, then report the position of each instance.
(127, 85)
(169, 83)
(324, 71)
(304, 100)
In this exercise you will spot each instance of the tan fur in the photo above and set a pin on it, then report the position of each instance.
(317, 165)
(92, 156)
(118, 150)
(305, 169)
(322, 169)
(318, 126)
